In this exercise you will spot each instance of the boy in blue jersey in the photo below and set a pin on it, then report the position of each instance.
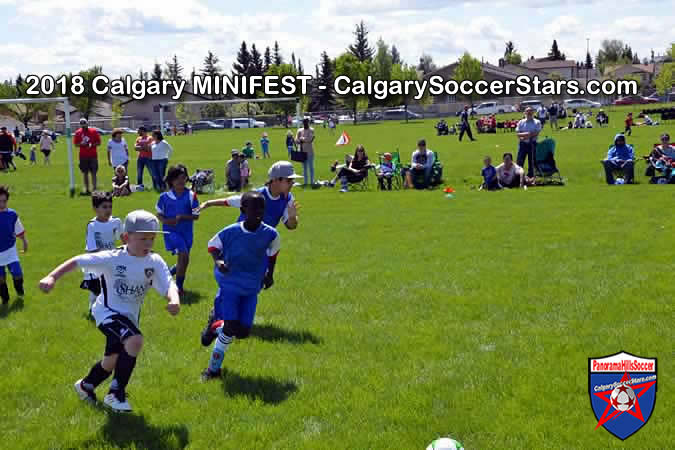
(10, 229)
(177, 209)
(265, 145)
(244, 256)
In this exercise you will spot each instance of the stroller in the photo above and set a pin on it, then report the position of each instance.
(203, 181)
(545, 169)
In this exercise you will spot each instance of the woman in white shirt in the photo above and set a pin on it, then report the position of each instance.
(161, 150)
(118, 151)
(46, 145)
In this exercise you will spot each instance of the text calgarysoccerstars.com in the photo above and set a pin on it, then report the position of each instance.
(288, 85)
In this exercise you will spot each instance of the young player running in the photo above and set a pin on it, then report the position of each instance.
(127, 273)
(103, 231)
(280, 206)
(10, 229)
(177, 209)
(244, 255)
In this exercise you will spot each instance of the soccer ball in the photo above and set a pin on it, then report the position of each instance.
(623, 397)
(445, 444)
(619, 181)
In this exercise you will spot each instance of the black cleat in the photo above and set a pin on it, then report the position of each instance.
(207, 375)
(209, 333)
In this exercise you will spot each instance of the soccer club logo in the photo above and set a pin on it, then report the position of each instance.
(622, 388)
(149, 272)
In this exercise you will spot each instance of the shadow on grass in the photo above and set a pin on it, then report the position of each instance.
(131, 430)
(16, 306)
(191, 297)
(273, 333)
(266, 389)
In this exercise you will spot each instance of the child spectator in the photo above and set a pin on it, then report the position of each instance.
(629, 124)
(33, 155)
(245, 171)
(19, 153)
(290, 143)
(265, 145)
(386, 172)
(129, 272)
(248, 151)
(118, 151)
(120, 182)
(10, 229)
(233, 172)
(103, 232)
(489, 174)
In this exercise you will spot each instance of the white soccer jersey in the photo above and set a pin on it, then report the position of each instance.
(125, 280)
(103, 235)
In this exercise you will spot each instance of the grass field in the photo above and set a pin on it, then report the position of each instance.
(396, 317)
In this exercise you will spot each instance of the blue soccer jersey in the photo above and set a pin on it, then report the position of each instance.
(10, 228)
(276, 208)
(246, 253)
(171, 205)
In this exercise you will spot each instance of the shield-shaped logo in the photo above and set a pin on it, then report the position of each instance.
(149, 272)
(622, 388)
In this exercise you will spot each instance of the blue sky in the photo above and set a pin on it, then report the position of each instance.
(55, 36)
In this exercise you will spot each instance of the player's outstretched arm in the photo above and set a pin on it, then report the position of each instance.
(214, 202)
(174, 300)
(48, 282)
(25, 243)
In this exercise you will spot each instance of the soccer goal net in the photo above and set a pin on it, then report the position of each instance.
(232, 113)
(66, 110)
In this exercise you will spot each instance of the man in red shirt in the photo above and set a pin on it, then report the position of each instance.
(87, 139)
(7, 147)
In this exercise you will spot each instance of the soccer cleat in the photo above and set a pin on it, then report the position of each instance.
(83, 392)
(208, 375)
(117, 401)
(209, 333)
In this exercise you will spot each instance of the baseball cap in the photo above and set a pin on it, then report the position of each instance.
(282, 169)
(141, 221)
(387, 156)
(83, 121)
(234, 152)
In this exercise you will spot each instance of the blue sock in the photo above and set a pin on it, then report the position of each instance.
(179, 282)
(218, 353)
(172, 270)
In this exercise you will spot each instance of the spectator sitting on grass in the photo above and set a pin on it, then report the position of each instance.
(489, 174)
(248, 151)
(233, 172)
(509, 174)
(620, 156)
(602, 118)
(120, 182)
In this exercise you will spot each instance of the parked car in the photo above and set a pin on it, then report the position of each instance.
(534, 104)
(400, 113)
(635, 100)
(101, 131)
(487, 108)
(581, 103)
(244, 122)
(225, 123)
(206, 125)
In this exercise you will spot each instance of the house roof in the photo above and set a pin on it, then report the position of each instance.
(487, 68)
(537, 64)
(169, 95)
(522, 70)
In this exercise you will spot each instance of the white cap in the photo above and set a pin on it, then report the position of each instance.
(83, 121)
(141, 221)
(282, 169)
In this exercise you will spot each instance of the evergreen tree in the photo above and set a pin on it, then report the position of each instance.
(243, 64)
(267, 59)
(300, 69)
(156, 72)
(360, 48)
(257, 65)
(555, 54)
(325, 77)
(426, 64)
(636, 58)
(278, 59)
(211, 67)
(395, 56)
(295, 66)
(173, 69)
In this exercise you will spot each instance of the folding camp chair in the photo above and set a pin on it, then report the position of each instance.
(435, 179)
(659, 171)
(545, 168)
(203, 181)
(397, 175)
(618, 172)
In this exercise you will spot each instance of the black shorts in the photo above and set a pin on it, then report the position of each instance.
(6, 157)
(46, 152)
(89, 165)
(117, 329)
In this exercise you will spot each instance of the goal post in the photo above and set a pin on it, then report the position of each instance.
(66, 110)
(231, 102)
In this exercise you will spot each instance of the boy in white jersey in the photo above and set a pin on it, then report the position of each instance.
(126, 274)
(103, 231)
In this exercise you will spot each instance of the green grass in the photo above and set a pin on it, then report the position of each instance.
(395, 318)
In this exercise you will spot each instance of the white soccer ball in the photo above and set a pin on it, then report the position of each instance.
(619, 181)
(623, 397)
(445, 443)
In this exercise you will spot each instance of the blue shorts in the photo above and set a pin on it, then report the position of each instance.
(235, 303)
(177, 243)
(14, 269)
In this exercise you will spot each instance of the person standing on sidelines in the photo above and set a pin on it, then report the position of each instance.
(527, 131)
(161, 151)
(46, 146)
(87, 139)
(118, 151)
(7, 148)
(144, 149)
(465, 126)
(305, 139)
(553, 115)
